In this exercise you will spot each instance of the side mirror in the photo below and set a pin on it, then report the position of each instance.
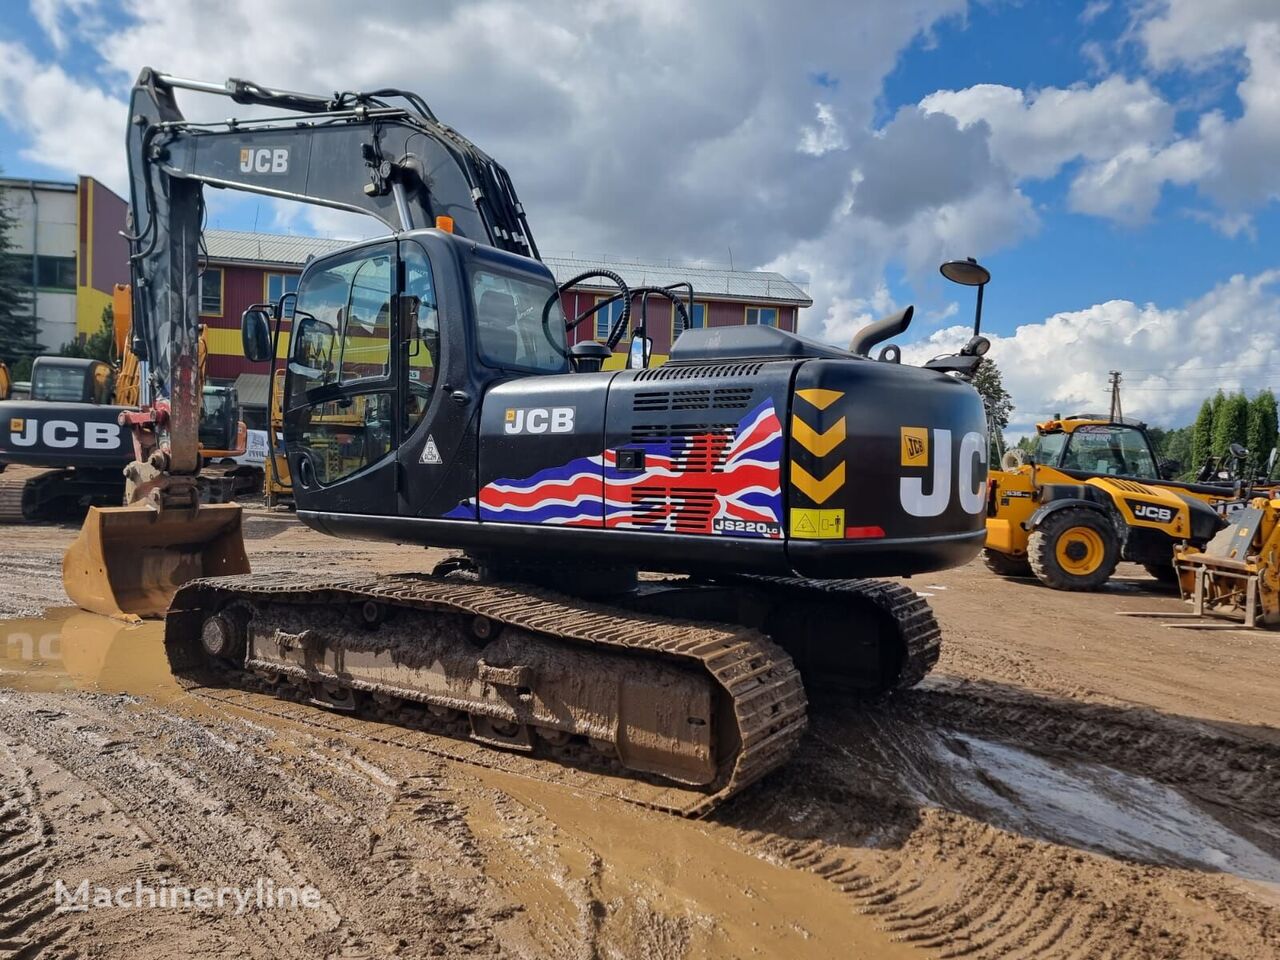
(255, 335)
(641, 351)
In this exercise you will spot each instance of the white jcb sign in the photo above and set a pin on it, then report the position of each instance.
(63, 434)
(538, 420)
(264, 160)
(970, 479)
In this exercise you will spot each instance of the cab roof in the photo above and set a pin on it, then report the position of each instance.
(1075, 421)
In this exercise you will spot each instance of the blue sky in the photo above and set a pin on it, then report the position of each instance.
(1110, 162)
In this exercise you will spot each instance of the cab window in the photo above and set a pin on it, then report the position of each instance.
(342, 323)
(422, 332)
(508, 311)
(1048, 448)
(1112, 450)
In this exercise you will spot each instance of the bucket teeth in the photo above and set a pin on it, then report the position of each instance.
(128, 562)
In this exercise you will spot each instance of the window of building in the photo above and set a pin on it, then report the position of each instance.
(56, 273)
(606, 318)
(697, 318)
(211, 292)
(278, 284)
(762, 316)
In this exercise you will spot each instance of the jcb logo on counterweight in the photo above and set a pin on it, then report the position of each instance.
(63, 434)
(264, 160)
(971, 480)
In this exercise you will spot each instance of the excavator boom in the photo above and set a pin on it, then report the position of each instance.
(383, 154)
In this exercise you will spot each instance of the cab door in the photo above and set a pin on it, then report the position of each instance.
(442, 389)
(343, 408)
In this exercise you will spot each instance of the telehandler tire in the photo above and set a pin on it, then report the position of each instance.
(1074, 549)
(1004, 565)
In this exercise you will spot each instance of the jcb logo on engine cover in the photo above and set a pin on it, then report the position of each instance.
(63, 434)
(971, 479)
(538, 420)
(1149, 511)
(264, 160)
(915, 446)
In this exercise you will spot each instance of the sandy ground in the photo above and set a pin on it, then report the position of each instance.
(1068, 783)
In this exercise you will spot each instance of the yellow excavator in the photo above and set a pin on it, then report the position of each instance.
(1092, 493)
(6, 381)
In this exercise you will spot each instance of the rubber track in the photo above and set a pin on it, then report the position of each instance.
(918, 628)
(765, 688)
(14, 483)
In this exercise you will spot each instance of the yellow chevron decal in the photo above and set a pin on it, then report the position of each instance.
(819, 491)
(819, 444)
(820, 398)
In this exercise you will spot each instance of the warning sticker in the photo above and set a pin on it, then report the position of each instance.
(430, 452)
(817, 524)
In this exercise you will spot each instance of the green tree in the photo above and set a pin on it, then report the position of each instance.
(1261, 433)
(1201, 447)
(999, 404)
(1230, 423)
(1176, 445)
(99, 345)
(18, 328)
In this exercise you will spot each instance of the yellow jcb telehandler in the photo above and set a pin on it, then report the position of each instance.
(1092, 493)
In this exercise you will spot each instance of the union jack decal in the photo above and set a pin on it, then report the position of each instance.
(723, 482)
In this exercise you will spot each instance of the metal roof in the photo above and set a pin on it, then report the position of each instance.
(251, 389)
(755, 286)
(12, 183)
(245, 246)
(713, 282)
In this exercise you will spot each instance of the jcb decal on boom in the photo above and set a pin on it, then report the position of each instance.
(970, 479)
(264, 160)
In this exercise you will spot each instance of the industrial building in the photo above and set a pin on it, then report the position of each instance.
(68, 239)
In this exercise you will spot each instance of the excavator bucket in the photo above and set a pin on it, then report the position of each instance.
(128, 562)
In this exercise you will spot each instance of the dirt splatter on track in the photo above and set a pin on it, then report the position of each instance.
(1069, 783)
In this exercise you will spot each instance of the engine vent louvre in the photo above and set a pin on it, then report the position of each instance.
(1132, 486)
(690, 509)
(696, 371)
(725, 398)
(695, 448)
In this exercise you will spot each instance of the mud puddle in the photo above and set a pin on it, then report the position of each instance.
(67, 649)
(1086, 805)
(654, 885)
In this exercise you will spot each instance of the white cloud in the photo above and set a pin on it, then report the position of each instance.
(1093, 10)
(624, 130)
(1034, 134)
(826, 136)
(1230, 161)
(1171, 357)
(68, 125)
(49, 15)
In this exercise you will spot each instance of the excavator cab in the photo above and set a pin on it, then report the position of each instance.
(71, 380)
(365, 401)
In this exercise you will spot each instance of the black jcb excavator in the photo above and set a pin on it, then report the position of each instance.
(431, 398)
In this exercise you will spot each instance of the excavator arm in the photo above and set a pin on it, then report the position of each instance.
(382, 153)
(350, 151)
